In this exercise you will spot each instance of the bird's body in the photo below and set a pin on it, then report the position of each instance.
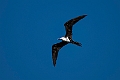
(66, 39)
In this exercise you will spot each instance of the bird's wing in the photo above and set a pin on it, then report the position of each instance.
(69, 24)
(55, 50)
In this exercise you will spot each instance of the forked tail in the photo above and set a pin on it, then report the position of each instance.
(77, 43)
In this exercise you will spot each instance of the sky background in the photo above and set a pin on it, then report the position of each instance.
(28, 29)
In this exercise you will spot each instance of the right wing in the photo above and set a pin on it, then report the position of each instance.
(69, 24)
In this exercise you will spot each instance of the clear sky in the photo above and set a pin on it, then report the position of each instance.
(28, 29)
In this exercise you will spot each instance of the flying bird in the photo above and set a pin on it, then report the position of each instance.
(66, 39)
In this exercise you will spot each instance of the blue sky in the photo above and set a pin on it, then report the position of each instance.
(28, 29)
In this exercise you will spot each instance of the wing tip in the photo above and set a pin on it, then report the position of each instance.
(54, 65)
(54, 62)
(84, 15)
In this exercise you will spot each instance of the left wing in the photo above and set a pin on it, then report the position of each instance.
(55, 50)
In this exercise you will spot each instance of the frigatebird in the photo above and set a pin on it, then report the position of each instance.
(66, 39)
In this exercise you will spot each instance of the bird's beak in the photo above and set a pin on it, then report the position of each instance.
(58, 39)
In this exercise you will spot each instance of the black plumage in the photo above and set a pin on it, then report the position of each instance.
(68, 27)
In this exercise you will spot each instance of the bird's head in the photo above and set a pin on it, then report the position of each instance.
(60, 38)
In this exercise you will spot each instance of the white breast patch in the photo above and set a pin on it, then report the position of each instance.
(65, 39)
